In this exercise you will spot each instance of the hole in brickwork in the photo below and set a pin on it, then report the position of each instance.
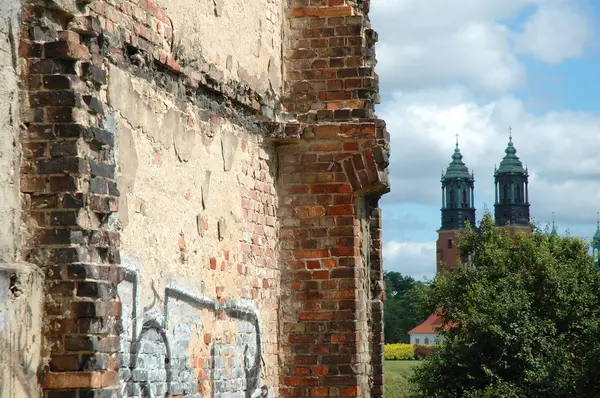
(15, 285)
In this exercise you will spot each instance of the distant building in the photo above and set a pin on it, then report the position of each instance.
(426, 333)
(511, 211)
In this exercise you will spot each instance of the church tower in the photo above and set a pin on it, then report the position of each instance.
(457, 209)
(512, 191)
(596, 242)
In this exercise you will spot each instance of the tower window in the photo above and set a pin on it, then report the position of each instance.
(449, 243)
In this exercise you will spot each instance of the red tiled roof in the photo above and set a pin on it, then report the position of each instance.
(430, 325)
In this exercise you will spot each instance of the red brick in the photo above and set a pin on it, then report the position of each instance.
(321, 275)
(320, 392)
(315, 316)
(319, 370)
(338, 210)
(351, 391)
(311, 254)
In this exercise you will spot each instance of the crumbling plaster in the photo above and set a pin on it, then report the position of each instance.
(9, 125)
(21, 300)
(239, 37)
(183, 176)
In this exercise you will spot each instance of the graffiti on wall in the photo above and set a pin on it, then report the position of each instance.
(155, 343)
(20, 316)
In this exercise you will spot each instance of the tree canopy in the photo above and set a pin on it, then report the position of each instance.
(404, 306)
(524, 317)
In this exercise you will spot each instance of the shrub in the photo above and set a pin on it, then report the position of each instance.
(399, 351)
(423, 351)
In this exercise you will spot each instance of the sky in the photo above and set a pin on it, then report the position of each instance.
(475, 68)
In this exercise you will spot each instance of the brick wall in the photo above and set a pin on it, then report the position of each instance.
(192, 242)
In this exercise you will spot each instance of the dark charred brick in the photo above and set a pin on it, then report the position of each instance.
(82, 343)
(102, 169)
(73, 201)
(59, 237)
(342, 114)
(94, 104)
(64, 184)
(113, 190)
(88, 309)
(43, 33)
(94, 290)
(102, 136)
(53, 66)
(64, 363)
(70, 255)
(94, 361)
(99, 204)
(381, 156)
(41, 131)
(57, 82)
(53, 98)
(64, 149)
(72, 130)
(43, 201)
(98, 185)
(62, 288)
(362, 113)
(62, 165)
(93, 73)
(94, 325)
(61, 114)
(82, 271)
(63, 218)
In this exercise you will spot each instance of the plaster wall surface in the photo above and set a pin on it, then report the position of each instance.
(431, 338)
(9, 117)
(238, 37)
(197, 222)
(20, 329)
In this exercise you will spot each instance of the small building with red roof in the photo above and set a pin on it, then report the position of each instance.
(427, 331)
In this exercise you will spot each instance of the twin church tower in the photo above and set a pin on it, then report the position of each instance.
(511, 207)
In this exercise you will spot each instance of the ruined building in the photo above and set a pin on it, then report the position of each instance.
(189, 199)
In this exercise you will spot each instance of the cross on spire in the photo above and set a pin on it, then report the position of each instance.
(510, 133)
(456, 139)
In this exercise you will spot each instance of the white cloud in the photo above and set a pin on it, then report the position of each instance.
(560, 148)
(410, 258)
(555, 32)
(451, 66)
(438, 42)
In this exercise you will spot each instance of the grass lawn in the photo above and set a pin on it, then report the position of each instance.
(396, 378)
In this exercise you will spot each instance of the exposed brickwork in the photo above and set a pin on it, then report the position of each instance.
(69, 194)
(331, 257)
(283, 274)
(330, 61)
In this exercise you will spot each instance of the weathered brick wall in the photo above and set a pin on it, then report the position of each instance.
(332, 178)
(192, 243)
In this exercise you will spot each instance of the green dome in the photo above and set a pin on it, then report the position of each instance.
(597, 235)
(457, 168)
(511, 164)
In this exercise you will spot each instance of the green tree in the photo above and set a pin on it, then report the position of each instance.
(523, 317)
(405, 306)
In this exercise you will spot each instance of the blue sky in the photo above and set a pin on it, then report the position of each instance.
(475, 68)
